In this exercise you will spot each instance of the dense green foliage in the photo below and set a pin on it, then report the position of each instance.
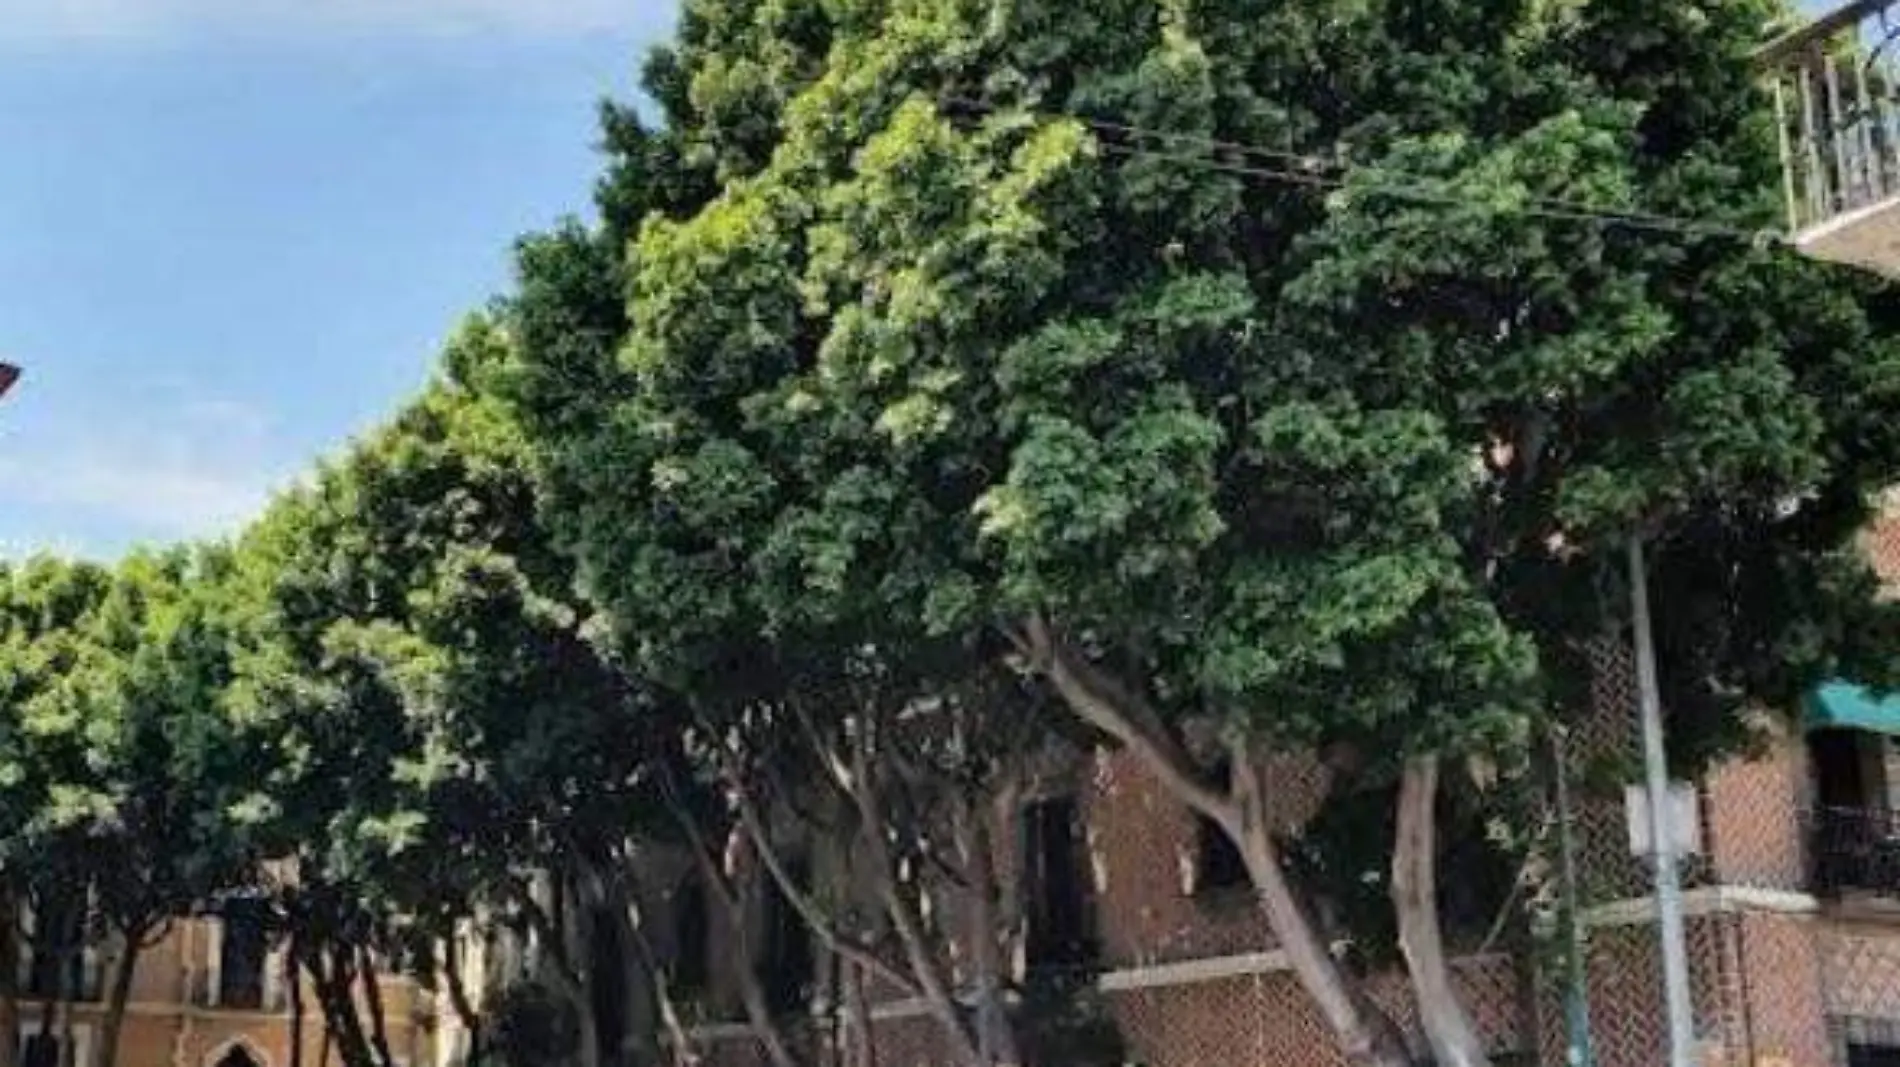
(982, 326)
(944, 382)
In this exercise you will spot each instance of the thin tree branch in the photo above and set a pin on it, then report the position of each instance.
(801, 902)
(1103, 702)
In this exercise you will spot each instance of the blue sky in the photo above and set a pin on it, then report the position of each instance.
(234, 232)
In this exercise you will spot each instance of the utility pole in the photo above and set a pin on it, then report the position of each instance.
(1662, 834)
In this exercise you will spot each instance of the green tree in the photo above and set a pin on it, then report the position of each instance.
(49, 785)
(1226, 362)
(442, 738)
(154, 823)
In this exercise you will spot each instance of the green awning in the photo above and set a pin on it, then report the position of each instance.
(1846, 706)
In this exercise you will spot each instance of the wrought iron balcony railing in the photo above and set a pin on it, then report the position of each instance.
(1854, 850)
(1836, 84)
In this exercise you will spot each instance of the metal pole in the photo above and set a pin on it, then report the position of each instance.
(1579, 1052)
(1662, 838)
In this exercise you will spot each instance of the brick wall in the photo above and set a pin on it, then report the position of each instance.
(1772, 983)
(1189, 984)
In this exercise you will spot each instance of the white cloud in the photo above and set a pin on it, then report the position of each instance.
(110, 20)
(193, 469)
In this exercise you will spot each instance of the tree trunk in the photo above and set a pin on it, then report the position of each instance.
(549, 958)
(71, 984)
(371, 976)
(9, 978)
(800, 900)
(1095, 697)
(1364, 1034)
(996, 1038)
(677, 1036)
(334, 979)
(578, 930)
(861, 1032)
(471, 1020)
(925, 967)
(105, 1049)
(758, 1008)
(1448, 1028)
(293, 978)
(49, 1015)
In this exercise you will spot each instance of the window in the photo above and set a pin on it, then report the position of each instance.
(58, 954)
(39, 1049)
(1058, 894)
(692, 940)
(1218, 867)
(1865, 1041)
(242, 954)
(1854, 846)
(787, 966)
(1849, 769)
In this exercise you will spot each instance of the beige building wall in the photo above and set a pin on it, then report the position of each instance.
(172, 1019)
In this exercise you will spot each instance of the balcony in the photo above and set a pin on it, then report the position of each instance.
(1855, 851)
(1836, 84)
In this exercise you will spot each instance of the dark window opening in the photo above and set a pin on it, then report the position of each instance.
(238, 1057)
(58, 964)
(1476, 878)
(692, 940)
(40, 1050)
(1058, 894)
(609, 986)
(242, 953)
(1873, 1056)
(1866, 1041)
(1219, 867)
(787, 966)
(1847, 769)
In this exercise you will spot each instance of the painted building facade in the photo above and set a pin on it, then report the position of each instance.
(211, 993)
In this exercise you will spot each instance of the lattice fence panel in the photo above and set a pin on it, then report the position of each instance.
(1754, 828)
(1602, 750)
(1787, 1015)
(1862, 972)
(1881, 543)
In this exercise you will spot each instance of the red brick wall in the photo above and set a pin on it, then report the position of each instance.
(1144, 845)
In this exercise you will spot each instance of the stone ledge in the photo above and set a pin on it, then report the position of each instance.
(1709, 900)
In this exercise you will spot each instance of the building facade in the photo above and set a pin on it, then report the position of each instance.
(211, 993)
(1792, 895)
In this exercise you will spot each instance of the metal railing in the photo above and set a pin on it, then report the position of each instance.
(1836, 84)
(1854, 850)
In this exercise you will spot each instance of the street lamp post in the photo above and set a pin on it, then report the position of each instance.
(1678, 1008)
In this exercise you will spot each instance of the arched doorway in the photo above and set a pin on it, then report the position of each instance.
(237, 1055)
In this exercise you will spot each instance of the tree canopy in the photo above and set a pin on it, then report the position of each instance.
(1302, 370)
(946, 380)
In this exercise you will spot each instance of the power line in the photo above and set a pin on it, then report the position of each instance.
(1420, 194)
(1313, 172)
